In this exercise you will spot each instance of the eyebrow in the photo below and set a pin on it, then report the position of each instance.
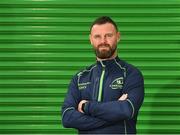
(105, 34)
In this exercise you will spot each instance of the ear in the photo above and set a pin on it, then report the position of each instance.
(90, 39)
(118, 36)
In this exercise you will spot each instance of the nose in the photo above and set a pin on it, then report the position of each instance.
(103, 40)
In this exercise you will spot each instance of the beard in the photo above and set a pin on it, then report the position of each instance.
(105, 53)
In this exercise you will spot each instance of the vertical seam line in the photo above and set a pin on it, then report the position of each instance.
(125, 130)
(131, 106)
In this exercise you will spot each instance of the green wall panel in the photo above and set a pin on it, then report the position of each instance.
(43, 43)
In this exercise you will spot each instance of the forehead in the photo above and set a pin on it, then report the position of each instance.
(103, 28)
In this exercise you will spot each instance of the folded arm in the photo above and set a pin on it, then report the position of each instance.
(72, 118)
(119, 110)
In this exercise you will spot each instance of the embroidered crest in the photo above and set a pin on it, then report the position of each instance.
(117, 83)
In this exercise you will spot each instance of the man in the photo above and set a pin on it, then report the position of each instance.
(104, 98)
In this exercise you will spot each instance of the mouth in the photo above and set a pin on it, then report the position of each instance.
(103, 47)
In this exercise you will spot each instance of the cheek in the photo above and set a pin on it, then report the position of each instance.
(112, 41)
(95, 42)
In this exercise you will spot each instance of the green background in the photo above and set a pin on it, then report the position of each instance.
(43, 43)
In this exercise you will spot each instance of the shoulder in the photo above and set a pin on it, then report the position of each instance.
(131, 69)
(84, 72)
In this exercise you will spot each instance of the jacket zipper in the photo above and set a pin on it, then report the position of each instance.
(101, 84)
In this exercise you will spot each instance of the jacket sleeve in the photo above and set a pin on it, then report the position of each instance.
(120, 110)
(71, 117)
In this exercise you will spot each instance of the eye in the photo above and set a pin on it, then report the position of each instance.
(96, 36)
(109, 35)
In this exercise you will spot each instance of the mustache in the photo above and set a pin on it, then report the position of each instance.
(103, 45)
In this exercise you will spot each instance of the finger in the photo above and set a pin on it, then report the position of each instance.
(126, 95)
(79, 107)
(123, 97)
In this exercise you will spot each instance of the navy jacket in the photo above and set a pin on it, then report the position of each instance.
(102, 84)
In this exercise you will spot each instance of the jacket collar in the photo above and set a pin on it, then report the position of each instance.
(107, 63)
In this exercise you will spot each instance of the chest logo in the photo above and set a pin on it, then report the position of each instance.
(82, 86)
(117, 83)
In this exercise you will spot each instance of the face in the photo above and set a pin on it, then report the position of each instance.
(104, 39)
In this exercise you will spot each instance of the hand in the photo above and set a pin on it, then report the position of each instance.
(123, 97)
(80, 105)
